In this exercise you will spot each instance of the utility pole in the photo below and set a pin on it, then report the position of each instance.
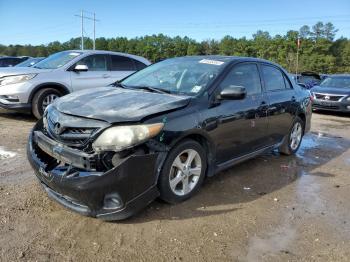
(94, 31)
(82, 27)
(82, 30)
(297, 65)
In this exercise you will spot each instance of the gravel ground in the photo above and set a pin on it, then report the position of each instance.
(271, 208)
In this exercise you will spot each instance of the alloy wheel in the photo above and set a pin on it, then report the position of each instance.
(296, 135)
(185, 172)
(48, 100)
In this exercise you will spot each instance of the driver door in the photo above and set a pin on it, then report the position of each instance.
(97, 75)
(242, 124)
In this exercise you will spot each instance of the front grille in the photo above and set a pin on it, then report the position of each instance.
(77, 136)
(328, 97)
(71, 136)
(325, 106)
(69, 130)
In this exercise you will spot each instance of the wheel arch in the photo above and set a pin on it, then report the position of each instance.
(302, 116)
(206, 142)
(60, 87)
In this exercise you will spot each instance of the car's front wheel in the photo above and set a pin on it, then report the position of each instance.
(183, 172)
(42, 99)
(292, 142)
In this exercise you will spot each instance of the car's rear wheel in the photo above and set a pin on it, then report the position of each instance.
(42, 99)
(183, 172)
(292, 142)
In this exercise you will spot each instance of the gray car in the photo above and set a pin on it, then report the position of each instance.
(34, 88)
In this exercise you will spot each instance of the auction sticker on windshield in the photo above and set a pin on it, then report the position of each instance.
(210, 62)
(74, 54)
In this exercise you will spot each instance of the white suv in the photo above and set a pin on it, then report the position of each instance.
(34, 88)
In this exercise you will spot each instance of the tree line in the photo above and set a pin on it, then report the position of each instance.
(318, 52)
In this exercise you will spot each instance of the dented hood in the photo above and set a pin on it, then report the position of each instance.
(331, 90)
(113, 104)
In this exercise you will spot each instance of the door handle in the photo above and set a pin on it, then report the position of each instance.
(293, 99)
(105, 75)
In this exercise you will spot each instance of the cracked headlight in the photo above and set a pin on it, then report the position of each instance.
(121, 137)
(7, 80)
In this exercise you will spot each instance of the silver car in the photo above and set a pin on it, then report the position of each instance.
(34, 88)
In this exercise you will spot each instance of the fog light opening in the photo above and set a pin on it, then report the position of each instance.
(11, 99)
(112, 201)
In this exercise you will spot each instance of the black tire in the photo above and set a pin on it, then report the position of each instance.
(38, 99)
(166, 193)
(286, 148)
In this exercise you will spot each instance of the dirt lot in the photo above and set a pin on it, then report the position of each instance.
(272, 208)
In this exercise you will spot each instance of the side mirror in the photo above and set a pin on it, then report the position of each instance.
(302, 85)
(232, 93)
(81, 68)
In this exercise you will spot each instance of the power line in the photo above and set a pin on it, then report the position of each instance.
(82, 16)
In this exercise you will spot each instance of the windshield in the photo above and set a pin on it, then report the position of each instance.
(57, 60)
(29, 62)
(343, 82)
(185, 75)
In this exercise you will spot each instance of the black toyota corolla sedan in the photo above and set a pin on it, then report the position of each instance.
(332, 94)
(109, 152)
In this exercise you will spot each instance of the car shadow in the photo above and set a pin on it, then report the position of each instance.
(251, 180)
(14, 115)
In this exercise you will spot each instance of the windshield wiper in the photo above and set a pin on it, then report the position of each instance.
(154, 89)
(118, 84)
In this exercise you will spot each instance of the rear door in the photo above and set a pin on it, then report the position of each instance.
(282, 102)
(242, 125)
(98, 74)
(121, 67)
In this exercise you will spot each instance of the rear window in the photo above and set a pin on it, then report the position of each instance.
(139, 65)
(122, 63)
(273, 78)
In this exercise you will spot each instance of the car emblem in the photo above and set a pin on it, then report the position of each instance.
(326, 97)
(57, 128)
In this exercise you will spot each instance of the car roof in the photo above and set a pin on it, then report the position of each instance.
(139, 58)
(233, 58)
(339, 75)
(17, 57)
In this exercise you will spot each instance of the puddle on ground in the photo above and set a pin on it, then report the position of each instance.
(5, 154)
(314, 141)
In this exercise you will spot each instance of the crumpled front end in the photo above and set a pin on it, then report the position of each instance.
(107, 185)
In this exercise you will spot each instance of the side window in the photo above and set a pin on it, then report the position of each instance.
(95, 62)
(6, 62)
(122, 63)
(246, 75)
(273, 78)
(139, 65)
(14, 61)
(287, 83)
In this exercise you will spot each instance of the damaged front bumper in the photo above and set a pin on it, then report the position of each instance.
(111, 195)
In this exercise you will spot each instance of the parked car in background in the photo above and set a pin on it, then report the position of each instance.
(9, 61)
(108, 153)
(308, 79)
(30, 62)
(34, 88)
(333, 93)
